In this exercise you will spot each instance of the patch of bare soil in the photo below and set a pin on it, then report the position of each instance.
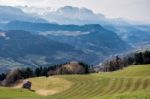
(43, 91)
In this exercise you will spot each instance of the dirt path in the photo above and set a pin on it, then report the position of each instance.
(51, 85)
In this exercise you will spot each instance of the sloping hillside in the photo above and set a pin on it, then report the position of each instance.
(128, 83)
(135, 35)
(131, 71)
(21, 48)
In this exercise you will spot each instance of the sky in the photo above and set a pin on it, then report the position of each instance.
(133, 10)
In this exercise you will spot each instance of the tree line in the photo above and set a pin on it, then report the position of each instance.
(23, 73)
(117, 63)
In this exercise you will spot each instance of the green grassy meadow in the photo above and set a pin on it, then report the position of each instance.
(132, 82)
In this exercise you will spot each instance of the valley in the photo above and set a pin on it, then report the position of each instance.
(77, 50)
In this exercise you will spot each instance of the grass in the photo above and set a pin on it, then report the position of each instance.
(9, 93)
(131, 71)
(130, 83)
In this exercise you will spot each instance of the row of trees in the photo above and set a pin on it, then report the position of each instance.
(142, 57)
(137, 58)
(18, 74)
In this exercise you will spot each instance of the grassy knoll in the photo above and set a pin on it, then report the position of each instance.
(129, 83)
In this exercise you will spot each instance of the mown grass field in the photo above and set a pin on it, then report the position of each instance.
(130, 83)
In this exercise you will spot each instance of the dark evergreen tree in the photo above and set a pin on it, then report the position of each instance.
(139, 58)
(2, 76)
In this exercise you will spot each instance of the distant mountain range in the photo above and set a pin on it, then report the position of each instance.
(20, 48)
(66, 15)
(74, 15)
(88, 43)
(28, 39)
(90, 38)
(8, 14)
(134, 35)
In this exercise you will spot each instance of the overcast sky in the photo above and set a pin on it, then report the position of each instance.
(135, 10)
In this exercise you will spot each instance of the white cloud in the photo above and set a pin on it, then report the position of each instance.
(64, 33)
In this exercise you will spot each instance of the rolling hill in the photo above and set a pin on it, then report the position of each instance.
(131, 82)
